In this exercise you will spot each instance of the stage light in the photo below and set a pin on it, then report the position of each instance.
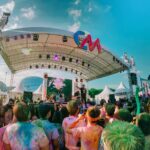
(83, 63)
(117, 61)
(35, 37)
(42, 66)
(4, 20)
(7, 39)
(114, 58)
(28, 35)
(48, 56)
(15, 37)
(70, 59)
(56, 58)
(65, 39)
(40, 56)
(22, 36)
(36, 66)
(63, 58)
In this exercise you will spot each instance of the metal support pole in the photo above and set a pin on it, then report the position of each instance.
(130, 83)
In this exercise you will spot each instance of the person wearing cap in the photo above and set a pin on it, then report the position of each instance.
(91, 133)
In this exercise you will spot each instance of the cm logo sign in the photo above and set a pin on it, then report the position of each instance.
(87, 41)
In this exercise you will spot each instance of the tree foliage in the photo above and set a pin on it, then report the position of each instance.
(92, 92)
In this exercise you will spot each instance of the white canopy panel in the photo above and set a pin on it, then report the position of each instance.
(39, 90)
(17, 89)
(121, 89)
(29, 48)
(104, 94)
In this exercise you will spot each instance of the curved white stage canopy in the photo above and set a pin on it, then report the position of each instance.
(37, 47)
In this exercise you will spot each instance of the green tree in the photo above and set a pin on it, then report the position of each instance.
(92, 92)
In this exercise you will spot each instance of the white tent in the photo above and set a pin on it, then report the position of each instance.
(39, 90)
(3, 93)
(121, 91)
(17, 92)
(17, 89)
(4, 97)
(104, 95)
(37, 94)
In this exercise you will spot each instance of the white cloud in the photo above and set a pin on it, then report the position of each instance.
(77, 2)
(13, 24)
(8, 7)
(107, 8)
(75, 13)
(16, 18)
(101, 8)
(90, 8)
(28, 13)
(74, 27)
(5, 72)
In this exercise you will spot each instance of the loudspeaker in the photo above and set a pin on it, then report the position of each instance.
(65, 39)
(27, 97)
(133, 78)
(112, 98)
(35, 37)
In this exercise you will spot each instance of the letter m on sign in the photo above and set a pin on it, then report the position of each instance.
(92, 45)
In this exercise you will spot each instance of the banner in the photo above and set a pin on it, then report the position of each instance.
(59, 88)
(145, 85)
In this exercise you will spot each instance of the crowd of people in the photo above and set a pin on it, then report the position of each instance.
(74, 126)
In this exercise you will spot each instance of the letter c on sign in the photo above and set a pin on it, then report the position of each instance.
(76, 38)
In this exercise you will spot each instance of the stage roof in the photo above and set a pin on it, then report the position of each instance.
(36, 47)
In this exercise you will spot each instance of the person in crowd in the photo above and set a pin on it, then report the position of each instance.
(124, 115)
(6, 115)
(90, 134)
(73, 109)
(83, 94)
(110, 109)
(117, 107)
(143, 122)
(102, 108)
(122, 136)
(57, 121)
(33, 115)
(50, 130)
(23, 134)
(64, 112)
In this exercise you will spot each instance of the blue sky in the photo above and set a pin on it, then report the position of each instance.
(121, 25)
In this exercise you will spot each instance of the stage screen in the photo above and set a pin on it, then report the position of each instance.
(57, 87)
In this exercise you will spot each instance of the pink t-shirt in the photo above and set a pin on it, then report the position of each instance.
(25, 136)
(70, 141)
(2, 130)
(103, 112)
(49, 129)
(89, 135)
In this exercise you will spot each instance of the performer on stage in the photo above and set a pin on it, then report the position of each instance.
(83, 94)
